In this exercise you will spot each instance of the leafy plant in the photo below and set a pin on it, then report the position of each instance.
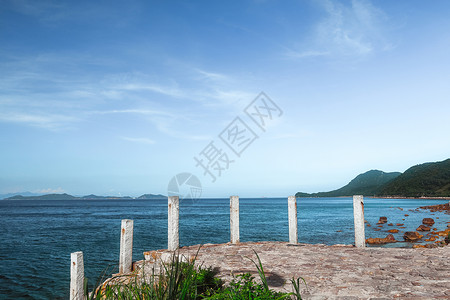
(183, 280)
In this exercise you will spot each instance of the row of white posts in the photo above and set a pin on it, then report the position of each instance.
(126, 237)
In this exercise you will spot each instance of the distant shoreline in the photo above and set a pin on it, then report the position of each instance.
(418, 198)
(387, 197)
(161, 197)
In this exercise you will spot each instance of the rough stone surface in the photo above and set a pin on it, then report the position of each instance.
(377, 241)
(334, 272)
(412, 236)
(423, 228)
(382, 220)
(428, 221)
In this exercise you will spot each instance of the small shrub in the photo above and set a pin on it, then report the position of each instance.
(184, 281)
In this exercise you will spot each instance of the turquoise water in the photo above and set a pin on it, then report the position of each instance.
(38, 237)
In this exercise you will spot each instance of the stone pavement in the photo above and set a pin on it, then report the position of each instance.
(332, 272)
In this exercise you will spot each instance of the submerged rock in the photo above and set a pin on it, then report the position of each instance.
(428, 221)
(377, 241)
(423, 228)
(382, 220)
(412, 236)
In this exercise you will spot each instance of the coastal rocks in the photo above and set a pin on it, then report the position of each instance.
(382, 220)
(431, 239)
(428, 221)
(378, 241)
(412, 236)
(423, 228)
(426, 246)
(393, 231)
(443, 233)
(439, 207)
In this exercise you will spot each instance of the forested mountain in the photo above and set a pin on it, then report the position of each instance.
(367, 184)
(424, 180)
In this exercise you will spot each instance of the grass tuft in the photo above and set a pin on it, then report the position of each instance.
(179, 280)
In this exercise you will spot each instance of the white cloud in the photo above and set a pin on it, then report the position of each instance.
(163, 122)
(354, 29)
(48, 121)
(211, 75)
(58, 190)
(134, 111)
(294, 54)
(165, 90)
(139, 140)
(37, 91)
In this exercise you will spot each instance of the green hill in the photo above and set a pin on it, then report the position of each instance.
(367, 184)
(425, 180)
(152, 197)
(88, 197)
(44, 197)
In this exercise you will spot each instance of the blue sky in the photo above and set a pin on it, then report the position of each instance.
(117, 97)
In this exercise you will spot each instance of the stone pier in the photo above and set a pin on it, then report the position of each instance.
(331, 272)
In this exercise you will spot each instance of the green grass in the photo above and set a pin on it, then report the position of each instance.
(185, 281)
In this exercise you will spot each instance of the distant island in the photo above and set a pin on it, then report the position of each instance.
(88, 197)
(421, 181)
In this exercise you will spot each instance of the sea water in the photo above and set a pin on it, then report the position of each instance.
(37, 237)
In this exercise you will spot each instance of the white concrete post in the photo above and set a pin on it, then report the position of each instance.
(234, 219)
(76, 276)
(292, 213)
(358, 215)
(126, 247)
(174, 217)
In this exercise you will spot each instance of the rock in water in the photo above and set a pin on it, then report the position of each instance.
(428, 221)
(382, 220)
(423, 228)
(377, 241)
(412, 236)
